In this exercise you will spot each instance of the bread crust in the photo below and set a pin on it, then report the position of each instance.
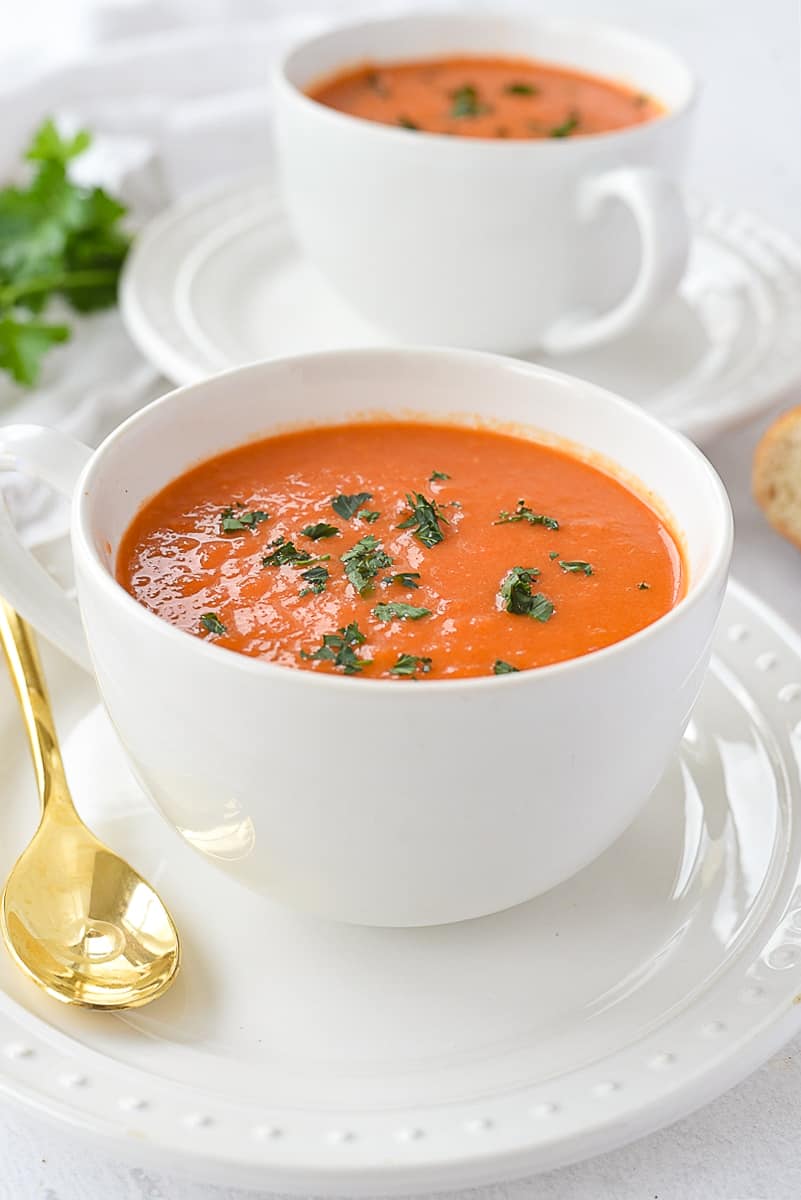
(775, 444)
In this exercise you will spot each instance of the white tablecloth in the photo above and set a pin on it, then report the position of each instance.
(746, 1145)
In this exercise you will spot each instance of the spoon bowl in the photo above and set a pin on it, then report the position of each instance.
(77, 918)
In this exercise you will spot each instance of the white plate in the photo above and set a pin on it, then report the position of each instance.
(301, 1056)
(217, 281)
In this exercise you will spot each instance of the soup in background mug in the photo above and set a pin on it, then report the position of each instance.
(486, 98)
(499, 244)
(388, 802)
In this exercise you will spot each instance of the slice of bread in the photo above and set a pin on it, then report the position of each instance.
(776, 476)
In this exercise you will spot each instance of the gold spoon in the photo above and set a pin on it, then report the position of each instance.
(78, 920)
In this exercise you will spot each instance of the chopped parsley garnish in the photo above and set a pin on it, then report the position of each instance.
(552, 554)
(233, 521)
(427, 517)
(347, 506)
(576, 567)
(499, 667)
(375, 83)
(410, 664)
(316, 580)
(367, 514)
(519, 599)
(363, 562)
(320, 530)
(438, 475)
(524, 513)
(466, 102)
(406, 579)
(522, 89)
(396, 610)
(406, 123)
(212, 624)
(643, 587)
(286, 554)
(568, 126)
(337, 648)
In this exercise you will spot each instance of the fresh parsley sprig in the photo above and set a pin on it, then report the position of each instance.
(396, 610)
(523, 513)
(286, 554)
(338, 648)
(57, 239)
(426, 519)
(363, 562)
(518, 598)
(408, 665)
(234, 521)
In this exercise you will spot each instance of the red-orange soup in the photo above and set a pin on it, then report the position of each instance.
(382, 550)
(486, 98)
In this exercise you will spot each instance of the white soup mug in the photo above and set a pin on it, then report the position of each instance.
(470, 794)
(507, 245)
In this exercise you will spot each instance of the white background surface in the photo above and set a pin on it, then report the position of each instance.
(747, 1145)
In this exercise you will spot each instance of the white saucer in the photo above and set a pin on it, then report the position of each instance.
(217, 281)
(300, 1056)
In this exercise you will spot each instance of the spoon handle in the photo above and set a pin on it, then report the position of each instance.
(28, 678)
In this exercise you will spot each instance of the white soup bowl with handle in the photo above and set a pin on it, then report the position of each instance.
(368, 800)
(505, 245)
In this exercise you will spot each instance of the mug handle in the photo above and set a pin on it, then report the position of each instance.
(57, 459)
(665, 237)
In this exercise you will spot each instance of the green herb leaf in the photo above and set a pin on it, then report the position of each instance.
(363, 562)
(568, 126)
(23, 344)
(466, 102)
(234, 521)
(406, 123)
(338, 649)
(410, 664)
(212, 624)
(524, 513)
(320, 530)
(499, 667)
(437, 475)
(376, 84)
(347, 506)
(396, 610)
(406, 579)
(286, 554)
(316, 579)
(522, 89)
(643, 587)
(427, 518)
(368, 515)
(552, 554)
(56, 239)
(576, 567)
(518, 597)
(48, 145)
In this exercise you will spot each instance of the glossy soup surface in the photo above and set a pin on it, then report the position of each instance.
(195, 553)
(486, 97)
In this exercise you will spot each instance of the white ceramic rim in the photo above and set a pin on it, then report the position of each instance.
(283, 68)
(712, 575)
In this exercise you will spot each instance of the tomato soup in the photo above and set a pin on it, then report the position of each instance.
(402, 551)
(486, 98)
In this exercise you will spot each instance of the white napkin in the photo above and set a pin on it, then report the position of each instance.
(177, 94)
